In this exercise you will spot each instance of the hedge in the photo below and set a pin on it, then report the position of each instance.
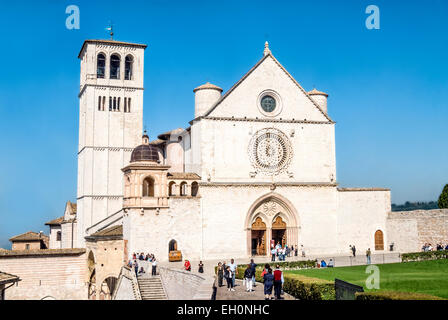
(393, 295)
(420, 256)
(284, 265)
(300, 287)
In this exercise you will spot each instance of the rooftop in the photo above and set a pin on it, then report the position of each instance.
(29, 236)
(111, 233)
(55, 222)
(41, 252)
(112, 43)
(8, 278)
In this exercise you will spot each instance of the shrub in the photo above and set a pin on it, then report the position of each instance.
(420, 256)
(394, 295)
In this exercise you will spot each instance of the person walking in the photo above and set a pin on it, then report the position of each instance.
(136, 267)
(228, 275)
(248, 277)
(368, 254)
(268, 283)
(303, 251)
(234, 269)
(201, 267)
(354, 250)
(278, 282)
(154, 267)
(273, 253)
(220, 271)
(253, 267)
(187, 265)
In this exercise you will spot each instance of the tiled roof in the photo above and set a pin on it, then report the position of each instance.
(314, 91)
(55, 222)
(73, 206)
(30, 236)
(114, 231)
(112, 43)
(166, 135)
(183, 175)
(42, 252)
(157, 142)
(8, 278)
(207, 85)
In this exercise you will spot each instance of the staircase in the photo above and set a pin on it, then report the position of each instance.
(151, 288)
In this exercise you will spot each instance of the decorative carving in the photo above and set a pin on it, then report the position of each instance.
(270, 151)
(258, 224)
(270, 208)
(279, 223)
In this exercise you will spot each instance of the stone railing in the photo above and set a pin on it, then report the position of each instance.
(127, 286)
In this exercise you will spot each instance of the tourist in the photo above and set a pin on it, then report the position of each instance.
(284, 253)
(253, 267)
(134, 256)
(268, 284)
(278, 282)
(288, 251)
(248, 277)
(201, 267)
(130, 264)
(234, 269)
(265, 270)
(368, 254)
(303, 251)
(136, 267)
(323, 264)
(353, 250)
(141, 270)
(292, 249)
(154, 267)
(220, 271)
(330, 264)
(273, 253)
(187, 265)
(229, 277)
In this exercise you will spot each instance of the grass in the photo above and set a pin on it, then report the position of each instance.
(428, 277)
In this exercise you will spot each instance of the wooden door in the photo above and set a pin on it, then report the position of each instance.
(379, 240)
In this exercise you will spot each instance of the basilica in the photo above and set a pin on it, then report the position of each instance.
(256, 165)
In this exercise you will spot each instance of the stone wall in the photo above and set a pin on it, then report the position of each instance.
(409, 230)
(180, 285)
(59, 276)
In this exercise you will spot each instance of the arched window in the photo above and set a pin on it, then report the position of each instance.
(100, 65)
(125, 104)
(110, 103)
(171, 188)
(115, 104)
(128, 67)
(115, 66)
(58, 236)
(129, 104)
(172, 246)
(99, 103)
(183, 189)
(148, 187)
(104, 103)
(194, 189)
(118, 104)
(379, 240)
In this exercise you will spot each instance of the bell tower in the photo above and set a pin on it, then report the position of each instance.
(110, 124)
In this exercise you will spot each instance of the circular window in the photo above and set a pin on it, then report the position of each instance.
(268, 103)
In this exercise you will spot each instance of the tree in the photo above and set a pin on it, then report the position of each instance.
(443, 199)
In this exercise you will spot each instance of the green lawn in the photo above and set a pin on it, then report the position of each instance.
(429, 277)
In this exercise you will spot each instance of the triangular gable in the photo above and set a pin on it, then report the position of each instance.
(208, 112)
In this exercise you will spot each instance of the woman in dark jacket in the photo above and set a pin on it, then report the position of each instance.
(268, 283)
(220, 274)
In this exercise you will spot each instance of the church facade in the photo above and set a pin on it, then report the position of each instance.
(255, 166)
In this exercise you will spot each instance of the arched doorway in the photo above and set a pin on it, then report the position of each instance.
(279, 231)
(379, 240)
(280, 221)
(107, 288)
(172, 246)
(148, 187)
(258, 237)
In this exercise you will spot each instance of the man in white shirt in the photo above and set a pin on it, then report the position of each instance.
(234, 269)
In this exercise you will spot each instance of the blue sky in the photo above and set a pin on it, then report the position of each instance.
(388, 88)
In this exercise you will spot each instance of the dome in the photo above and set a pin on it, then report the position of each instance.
(145, 152)
(208, 85)
(317, 92)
